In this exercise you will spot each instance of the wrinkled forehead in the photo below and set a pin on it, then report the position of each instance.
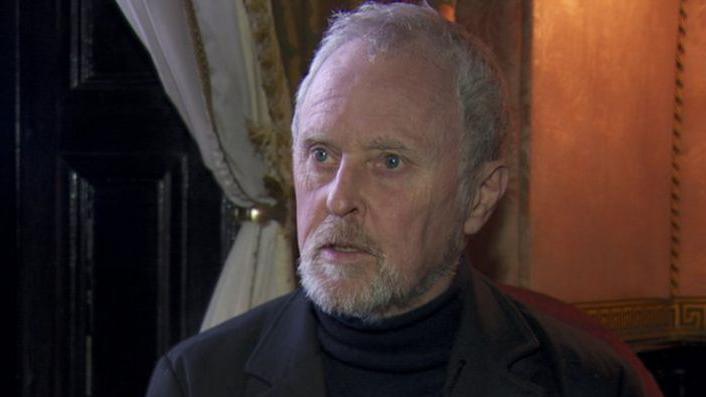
(404, 79)
(391, 64)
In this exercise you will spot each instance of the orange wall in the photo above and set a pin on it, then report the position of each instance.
(692, 263)
(601, 118)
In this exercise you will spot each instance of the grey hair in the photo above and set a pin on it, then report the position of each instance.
(480, 88)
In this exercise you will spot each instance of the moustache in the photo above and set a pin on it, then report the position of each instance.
(339, 233)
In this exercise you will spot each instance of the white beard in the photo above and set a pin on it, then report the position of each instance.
(369, 290)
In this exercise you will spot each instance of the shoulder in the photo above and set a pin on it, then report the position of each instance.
(219, 353)
(233, 338)
(582, 364)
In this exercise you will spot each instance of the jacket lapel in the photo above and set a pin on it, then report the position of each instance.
(287, 360)
(493, 338)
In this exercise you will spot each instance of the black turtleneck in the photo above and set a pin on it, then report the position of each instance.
(405, 355)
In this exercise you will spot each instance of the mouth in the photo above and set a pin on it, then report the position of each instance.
(341, 252)
(342, 247)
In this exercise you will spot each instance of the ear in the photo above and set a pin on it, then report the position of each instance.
(490, 186)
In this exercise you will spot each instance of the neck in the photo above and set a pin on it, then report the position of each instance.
(414, 340)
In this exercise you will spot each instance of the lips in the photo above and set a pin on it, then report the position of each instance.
(339, 241)
(345, 249)
(342, 247)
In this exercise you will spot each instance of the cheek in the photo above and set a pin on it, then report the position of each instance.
(401, 219)
(419, 218)
(306, 209)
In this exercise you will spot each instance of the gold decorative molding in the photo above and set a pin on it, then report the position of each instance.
(690, 316)
(642, 322)
(274, 141)
(201, 58)
(634, 319)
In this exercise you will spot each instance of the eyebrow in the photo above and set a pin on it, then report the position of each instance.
(312, 140)
(381, 143)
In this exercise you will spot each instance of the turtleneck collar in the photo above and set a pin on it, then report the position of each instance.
(414, 341)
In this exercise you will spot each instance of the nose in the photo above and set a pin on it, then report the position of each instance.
(344, 195)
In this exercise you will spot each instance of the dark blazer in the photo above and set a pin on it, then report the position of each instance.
(502, 349)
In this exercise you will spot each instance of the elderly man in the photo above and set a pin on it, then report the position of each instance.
(397, 160)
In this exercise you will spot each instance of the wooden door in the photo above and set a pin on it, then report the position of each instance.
(118, 226)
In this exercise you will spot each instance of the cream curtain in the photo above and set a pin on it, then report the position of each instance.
(207, 61)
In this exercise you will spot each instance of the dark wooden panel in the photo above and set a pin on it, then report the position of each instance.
(124, 267)
(119, 225)
(8, 190)
(121, 121)
(108, 277)
(39, 43)
(678, 369)
(105, 52)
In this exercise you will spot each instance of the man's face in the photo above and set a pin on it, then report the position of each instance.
(376, 175)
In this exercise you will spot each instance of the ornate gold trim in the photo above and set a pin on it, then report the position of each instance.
(642, 322)
(634, 319)
(201, 58)
(690, 316)
(274, 142)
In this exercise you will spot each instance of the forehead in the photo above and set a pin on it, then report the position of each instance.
(399, 91)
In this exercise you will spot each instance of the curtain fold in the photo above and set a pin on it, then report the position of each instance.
(257, 265)
(204, 53)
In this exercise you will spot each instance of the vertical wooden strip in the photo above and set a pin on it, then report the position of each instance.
(164, 276)
(86, 281)
(677, 131)
(524, 149)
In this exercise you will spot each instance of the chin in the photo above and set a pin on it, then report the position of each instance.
(351, 290)
(365, 292)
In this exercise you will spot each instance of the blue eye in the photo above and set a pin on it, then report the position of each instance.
(320, 155)
(392, 161)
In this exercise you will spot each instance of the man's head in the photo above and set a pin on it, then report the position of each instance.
(397, 138)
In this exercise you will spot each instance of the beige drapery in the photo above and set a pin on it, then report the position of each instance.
(219, 64)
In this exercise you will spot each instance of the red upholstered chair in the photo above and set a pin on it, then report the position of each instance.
(571, 315)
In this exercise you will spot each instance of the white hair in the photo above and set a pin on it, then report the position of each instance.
(387, 28)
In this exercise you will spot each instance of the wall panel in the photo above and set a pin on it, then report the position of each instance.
(602, 98)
